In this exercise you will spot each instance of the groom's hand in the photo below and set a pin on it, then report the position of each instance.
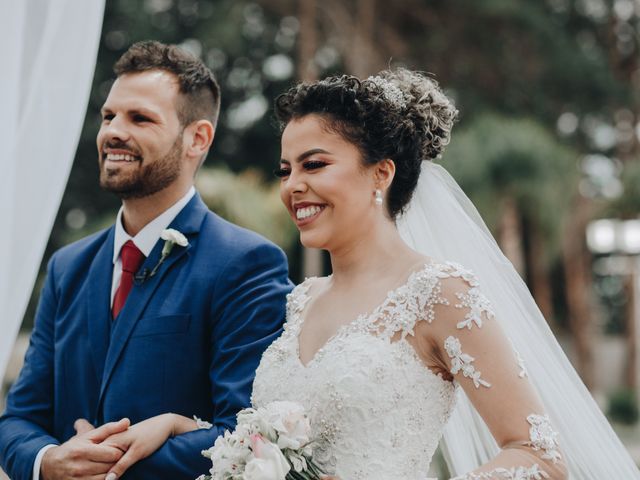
(82, 426)
(83, 456)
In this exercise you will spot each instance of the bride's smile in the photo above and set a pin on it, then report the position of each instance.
(307, 212)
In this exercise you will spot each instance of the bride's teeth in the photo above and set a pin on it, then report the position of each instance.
(306, 212)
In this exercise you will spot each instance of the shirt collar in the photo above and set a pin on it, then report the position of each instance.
(146, 238)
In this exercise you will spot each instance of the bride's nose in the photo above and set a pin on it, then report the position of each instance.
(295, 184)
(300, 187)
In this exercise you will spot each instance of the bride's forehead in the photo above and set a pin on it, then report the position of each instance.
(311, 129)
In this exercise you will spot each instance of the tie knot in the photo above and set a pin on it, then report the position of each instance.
(131, 257)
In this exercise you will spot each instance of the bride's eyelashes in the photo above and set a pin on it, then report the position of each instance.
(310, 165)
(282, 172)
(313, 165)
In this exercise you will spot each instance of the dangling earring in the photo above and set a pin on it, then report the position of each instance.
(378, 199)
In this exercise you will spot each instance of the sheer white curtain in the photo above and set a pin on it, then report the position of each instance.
(47, 59)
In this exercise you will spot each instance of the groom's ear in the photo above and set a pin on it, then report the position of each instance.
(198, 137)
(383, 172)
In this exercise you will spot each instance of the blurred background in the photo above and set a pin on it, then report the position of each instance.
(548, 143)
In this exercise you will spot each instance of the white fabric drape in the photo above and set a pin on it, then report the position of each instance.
(48, 57)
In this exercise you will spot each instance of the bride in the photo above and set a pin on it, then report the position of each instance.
(402, 344)
(424, 333)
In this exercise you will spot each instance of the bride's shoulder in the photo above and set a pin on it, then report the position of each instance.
(449, 273)
(309, 286)
(453, 293)
(302, 292)
(443, 281)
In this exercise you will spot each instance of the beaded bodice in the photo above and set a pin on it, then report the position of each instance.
(376, 411)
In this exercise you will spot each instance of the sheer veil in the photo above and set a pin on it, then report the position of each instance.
(443, 223)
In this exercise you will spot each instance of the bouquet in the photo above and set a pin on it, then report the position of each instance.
(269, 443)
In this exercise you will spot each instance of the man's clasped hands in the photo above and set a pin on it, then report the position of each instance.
(106, 452)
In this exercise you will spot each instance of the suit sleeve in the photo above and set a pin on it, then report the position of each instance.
(28, 418)
(247, 315)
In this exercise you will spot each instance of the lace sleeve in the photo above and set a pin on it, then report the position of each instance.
(483, 362)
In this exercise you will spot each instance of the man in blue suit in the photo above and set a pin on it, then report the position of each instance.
(125, 335)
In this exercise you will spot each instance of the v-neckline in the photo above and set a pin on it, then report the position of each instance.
(300, 320)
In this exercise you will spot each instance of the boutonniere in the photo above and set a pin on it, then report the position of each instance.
(171, 238)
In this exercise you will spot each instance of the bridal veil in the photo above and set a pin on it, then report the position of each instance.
(442, 222)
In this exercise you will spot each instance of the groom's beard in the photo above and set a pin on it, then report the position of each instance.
(148, 178)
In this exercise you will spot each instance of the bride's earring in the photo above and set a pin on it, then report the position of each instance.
(378, 199)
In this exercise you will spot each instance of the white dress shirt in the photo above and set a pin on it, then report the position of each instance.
(145, 240)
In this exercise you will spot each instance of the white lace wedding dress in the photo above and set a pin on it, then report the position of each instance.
(376, 411)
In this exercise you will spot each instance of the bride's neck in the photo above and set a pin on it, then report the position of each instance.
(377, 252)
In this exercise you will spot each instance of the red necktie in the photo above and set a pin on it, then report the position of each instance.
(132, 258)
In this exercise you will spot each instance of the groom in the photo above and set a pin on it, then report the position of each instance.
(120, 332)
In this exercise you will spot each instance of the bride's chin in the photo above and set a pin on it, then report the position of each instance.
(309, 240)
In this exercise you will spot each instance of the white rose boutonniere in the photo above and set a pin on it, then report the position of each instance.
(171, 238)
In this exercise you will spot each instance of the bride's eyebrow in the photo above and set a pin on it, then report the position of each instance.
(305, 155)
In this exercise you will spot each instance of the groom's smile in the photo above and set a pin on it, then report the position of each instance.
(121, 157)
(114, 156)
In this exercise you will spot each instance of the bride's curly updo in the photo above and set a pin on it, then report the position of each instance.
(398, 114)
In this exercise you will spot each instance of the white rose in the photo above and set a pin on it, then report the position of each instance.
(259, 469)
(252, 421)
(291, 424)
(228, 455)
(268, 463)
(174, 236)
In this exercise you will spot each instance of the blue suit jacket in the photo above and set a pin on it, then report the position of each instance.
(187, 341)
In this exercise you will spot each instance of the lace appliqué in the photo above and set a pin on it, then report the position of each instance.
(543, 437)
(202, 424)
(523, 369)
(462, 361)
(477, 304)
(473, 299)
(405, 306)
(417, 298)
(456, 270)
(515, 473)
(296, 300)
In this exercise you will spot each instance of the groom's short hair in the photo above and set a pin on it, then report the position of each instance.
(200, 93)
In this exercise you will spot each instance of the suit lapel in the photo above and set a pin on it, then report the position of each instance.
(98, 303)
(187, 222)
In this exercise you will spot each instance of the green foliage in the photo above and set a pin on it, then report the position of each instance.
(495, 157)
(524, 58)
(247, 201)
(623, 407)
